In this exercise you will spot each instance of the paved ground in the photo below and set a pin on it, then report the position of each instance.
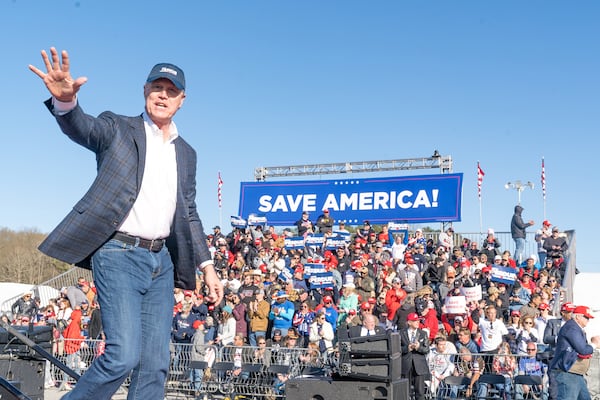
(55, 394)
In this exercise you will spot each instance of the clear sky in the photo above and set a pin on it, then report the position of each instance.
(273, 83)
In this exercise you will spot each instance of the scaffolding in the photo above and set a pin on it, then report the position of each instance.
(436, 161)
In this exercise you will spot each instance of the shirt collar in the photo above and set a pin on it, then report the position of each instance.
(156, 132)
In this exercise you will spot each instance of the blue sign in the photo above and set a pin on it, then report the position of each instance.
(406, 199)
(505, 275)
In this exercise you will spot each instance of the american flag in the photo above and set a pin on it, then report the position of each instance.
(219, 186)
(480, 175)
(543, 179)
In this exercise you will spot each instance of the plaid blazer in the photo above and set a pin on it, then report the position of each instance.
(120, 146)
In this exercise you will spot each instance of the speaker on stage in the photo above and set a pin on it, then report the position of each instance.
(387, 369)
(27, 375)
(40, 335)
(371, 346)
(374, 358)
(323, 389)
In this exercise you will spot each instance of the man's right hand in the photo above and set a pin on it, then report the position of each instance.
(58, 78)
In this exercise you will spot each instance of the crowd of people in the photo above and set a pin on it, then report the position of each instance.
(381, 282)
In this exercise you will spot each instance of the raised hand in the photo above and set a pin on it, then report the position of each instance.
(58, 77)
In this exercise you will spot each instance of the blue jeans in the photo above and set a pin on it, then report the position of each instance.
(135, 293)
(253, 335)
(519, 250)
(571, 386)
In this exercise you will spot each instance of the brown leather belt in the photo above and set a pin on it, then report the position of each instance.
(155, 245)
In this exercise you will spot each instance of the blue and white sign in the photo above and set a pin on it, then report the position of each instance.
(505, 275)
(406, 199)
(294, 243)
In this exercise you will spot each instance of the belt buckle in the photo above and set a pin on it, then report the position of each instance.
(151, 248)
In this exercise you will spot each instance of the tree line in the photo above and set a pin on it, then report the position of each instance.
(22, 262)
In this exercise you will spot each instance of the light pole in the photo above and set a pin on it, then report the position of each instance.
(519, 187)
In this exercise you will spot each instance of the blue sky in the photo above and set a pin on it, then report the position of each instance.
(275, 83)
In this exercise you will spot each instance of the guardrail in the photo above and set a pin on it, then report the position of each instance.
(261, 373)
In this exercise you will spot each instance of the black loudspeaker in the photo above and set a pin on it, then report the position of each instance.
(375, 358)
(40, 335)
(371, 346)
(322, 389)
(10, 390)
(387, 369)
(25, 374)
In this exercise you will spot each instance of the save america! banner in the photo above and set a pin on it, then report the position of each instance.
(406, 199)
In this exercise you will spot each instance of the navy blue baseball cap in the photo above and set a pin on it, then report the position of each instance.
(170, 72)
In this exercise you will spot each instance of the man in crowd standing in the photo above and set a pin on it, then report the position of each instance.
(517, 231)
(573, 356)
(137, 226)
(415, 347)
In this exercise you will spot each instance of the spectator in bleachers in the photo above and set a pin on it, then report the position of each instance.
(322, 334)
(491, 245)
(556, 246)
(304, 225)
(258, 313)
(398, 248)
(471, 367)
(247, 288)
(226, 328)
(231, 283)
(182, 333)
(517, 231)
(492, 330)
(410, 275)
(365, 285)
(440, 365)
(238, 354)
(531, 308)
(198, 353)
(24, 306)
(282, 311)
(369, 327)
(348, 301)
(394, 298)
(530, 365)
(527, 334)
(424, 307)
(464, 339)
(446, 239)
(435, 274)
(540, 323)
(506, 365)
(325, 222)
(262, 354)
(513, 327)
(447, 285)
(540, 236)
(239, 313)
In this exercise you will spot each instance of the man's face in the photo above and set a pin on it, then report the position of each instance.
(163, 99)
(490, 313)
(369, 322)
(464, 338)
(413, 324)
(441, 346)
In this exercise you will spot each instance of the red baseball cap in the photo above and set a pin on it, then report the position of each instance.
(583, 310)
(327, 299)
(412, 317)
(543, 306)
(568, 307)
